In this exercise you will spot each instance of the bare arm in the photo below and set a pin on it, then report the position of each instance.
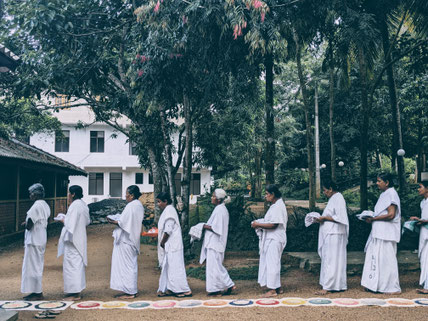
(164, 240)
(29, 224)
(266, 226)
(392, 210)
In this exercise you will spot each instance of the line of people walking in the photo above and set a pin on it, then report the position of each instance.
(380, 272)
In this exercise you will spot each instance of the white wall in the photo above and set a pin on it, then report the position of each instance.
(115, 158)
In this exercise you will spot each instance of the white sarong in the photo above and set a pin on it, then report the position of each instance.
(333, 262)
(218, 278)
(270, 264)
(380, 272)
(173, 275)
(423, 246)
(73, 269)
(32, 269)
(124, 268)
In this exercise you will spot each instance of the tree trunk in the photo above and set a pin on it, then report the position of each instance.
(168, 157)
(187, 166)
(157, 178)
(331, 114)
(395, 107)
(363, 128)
(309, 139)
(258, 178)
(270, 126)
(317, 148)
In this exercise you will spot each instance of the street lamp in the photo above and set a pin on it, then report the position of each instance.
(323, 166)
(401, 152)
(341, 164)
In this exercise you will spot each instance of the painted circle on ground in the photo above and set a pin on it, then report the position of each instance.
(113, 305)
(400, 302)
(215, 303)
(88, 305)
(189, 303)
(267, 302)
(138, 305)
(320, 301)
(15, 305)
(293, 301)
(50, 305)
(372, 301)
(421, 301)
(241, 303)
(346, 302)
(164, 304)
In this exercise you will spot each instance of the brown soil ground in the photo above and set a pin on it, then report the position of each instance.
(297, 283)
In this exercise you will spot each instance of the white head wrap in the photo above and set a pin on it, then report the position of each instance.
(37, 189)
(221, 195)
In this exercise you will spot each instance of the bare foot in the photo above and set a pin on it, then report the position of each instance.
(392, 293)
(125, 296)
(321, 292)
(270, 294)
(422, 291)
(34, 297)
(73, 298)
(229, 290)
(279, 290)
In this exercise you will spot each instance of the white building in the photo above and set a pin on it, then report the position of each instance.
(107, 156)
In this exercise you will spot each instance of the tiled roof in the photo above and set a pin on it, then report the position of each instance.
(7, 58)
(14, 149)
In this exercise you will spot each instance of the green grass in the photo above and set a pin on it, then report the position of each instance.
(241, 273)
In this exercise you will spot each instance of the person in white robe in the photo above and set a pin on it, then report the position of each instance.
(272, 242)
(423, 237)
(380, 271)
(35, 224)
(73, 242)
(126, 246)
(218, 281)
(173, 280)
(332, 240)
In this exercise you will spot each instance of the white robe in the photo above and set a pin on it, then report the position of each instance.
(332, 241)
(171, 259)
(272, 244)
(423, 246)
(126, 247)
(72, 244)
(35, 246)
(380, 272)
(213, 249)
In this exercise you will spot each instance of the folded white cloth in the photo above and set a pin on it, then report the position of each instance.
(310, 218)
(365, 214)
(59, 217)
(114, 217)
(196, 232)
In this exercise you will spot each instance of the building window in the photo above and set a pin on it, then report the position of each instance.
(177, 181)
(62, 142)
(97, 142)
(96, 183)
(132, 148)
(62, 101)
(195, 184)
(139, 178)
(150, 178)
(116, 184)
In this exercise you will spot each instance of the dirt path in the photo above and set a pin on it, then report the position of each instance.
(100, 243)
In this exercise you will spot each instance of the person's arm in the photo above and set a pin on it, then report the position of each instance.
(164, 240)
(392, 209)
(266, 226)
(112, 221)
(322, 219)
(29, 224)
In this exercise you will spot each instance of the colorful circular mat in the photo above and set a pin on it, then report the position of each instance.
(261, 302)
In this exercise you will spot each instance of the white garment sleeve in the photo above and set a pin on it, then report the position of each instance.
(169, 226)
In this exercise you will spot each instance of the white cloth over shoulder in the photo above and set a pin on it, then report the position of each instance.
(39, 213)
(277, 214)
(423, 246)
(310, 218)
(217, 238)
(74, 229)
(196, 232)
(170, 224)
(130, 222)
